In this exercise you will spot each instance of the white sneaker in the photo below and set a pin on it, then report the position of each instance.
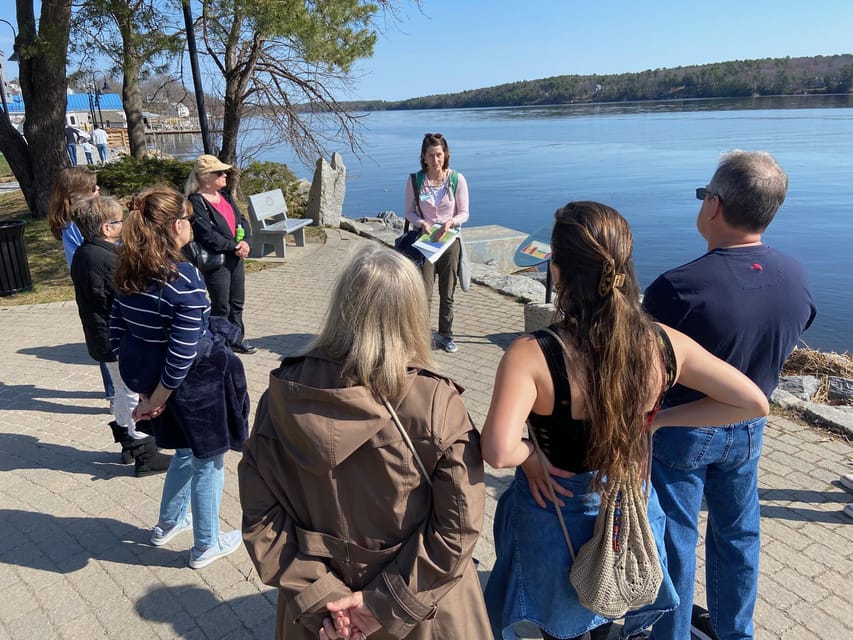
(848, 510)
(161, 535)
(228, 544)
(847, 481)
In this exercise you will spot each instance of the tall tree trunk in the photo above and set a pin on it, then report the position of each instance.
(230, 126)
(132, 96)
(130, 92)
(38, 157)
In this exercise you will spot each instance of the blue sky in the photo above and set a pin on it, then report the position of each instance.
(452, 45)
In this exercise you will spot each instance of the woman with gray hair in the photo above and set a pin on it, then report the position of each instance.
(100, 220)
(362, 482)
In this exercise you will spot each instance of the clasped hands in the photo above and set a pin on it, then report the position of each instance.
(349, 619)
(146, 409)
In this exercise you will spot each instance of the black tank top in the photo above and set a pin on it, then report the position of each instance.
(563, 439)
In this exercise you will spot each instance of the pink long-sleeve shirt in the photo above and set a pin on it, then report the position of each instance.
(447, 207)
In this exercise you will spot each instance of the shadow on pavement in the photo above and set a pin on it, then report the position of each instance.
(501, 340)
(804, 514)
(66, 544)
(72, 353)
(27, 452)
(284, 344)
(244, 617)
(28, 397)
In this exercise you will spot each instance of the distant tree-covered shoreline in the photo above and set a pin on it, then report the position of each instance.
(734, 79)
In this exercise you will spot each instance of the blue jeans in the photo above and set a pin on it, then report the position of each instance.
(72, 153)
(103, 153)
(107, 378)
(721, 464)
(197, 483)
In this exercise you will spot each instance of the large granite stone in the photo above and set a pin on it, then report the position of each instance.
(326, 197)
(803, 387)
(840, 390)
(837, 418)
(785, 399)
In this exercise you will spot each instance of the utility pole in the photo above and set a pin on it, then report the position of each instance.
(199, 90)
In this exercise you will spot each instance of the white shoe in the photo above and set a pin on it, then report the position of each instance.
(228, 544)
(162, 535)
(847, 481)
(848, 510)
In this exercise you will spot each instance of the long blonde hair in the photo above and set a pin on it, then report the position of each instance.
(148, 252)
(376, 323)
(71, 183)
(599, 301)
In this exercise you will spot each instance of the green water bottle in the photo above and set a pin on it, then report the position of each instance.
(240, 233)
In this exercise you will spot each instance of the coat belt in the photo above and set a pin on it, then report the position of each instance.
(323, 545)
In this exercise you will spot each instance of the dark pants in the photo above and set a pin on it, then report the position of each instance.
(445, 268)
(227, 289)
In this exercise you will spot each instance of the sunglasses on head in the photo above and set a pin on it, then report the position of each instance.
(434, 135)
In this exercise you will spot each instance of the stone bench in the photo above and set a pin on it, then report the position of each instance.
(270, 224)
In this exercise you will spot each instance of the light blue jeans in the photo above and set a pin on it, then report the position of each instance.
(721, 464)
(197, 483)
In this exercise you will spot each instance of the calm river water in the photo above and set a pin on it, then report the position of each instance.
(645, 159)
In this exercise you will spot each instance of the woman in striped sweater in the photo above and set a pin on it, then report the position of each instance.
(167, 353)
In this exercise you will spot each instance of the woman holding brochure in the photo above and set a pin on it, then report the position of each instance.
(437, 202)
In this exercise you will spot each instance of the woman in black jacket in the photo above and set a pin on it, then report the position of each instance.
(99, 219)
(220, 227)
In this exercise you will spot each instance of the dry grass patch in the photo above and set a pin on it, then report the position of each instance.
(809, 362)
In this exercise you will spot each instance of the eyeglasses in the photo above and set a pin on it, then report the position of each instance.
(114, 222)
(434, 135)
(704, 192)
(188, 217)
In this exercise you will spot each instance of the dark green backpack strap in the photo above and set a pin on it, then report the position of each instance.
(454, 180)
(418, 181)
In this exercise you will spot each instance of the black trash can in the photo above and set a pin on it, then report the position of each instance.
(14, 267)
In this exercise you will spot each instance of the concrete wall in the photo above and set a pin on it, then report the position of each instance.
(493, 244)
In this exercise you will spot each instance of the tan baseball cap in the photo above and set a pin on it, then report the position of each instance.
(208, 164)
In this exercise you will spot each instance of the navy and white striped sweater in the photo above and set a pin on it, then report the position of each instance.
(175, 315)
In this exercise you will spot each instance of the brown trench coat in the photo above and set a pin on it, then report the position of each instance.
(333, 501)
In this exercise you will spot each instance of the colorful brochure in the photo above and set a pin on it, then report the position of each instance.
(434, 243)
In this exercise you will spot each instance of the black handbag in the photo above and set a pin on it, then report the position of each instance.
(206, 261)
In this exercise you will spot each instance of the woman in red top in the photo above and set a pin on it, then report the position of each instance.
(219, 227)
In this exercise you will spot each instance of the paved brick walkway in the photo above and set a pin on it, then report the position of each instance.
(74, 523)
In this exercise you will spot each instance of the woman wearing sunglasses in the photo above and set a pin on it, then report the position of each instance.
(219, 227)
(441, 199)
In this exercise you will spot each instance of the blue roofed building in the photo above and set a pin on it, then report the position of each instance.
(79, 110)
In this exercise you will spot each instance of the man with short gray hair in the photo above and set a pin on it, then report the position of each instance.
(748, 304)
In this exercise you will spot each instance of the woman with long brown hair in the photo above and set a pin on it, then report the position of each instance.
(588, 388)
(71, 185)
(191, 386)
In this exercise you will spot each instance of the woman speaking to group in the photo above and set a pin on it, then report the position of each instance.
(437, 195)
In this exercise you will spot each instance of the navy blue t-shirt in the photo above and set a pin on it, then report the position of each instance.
(746, 305)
